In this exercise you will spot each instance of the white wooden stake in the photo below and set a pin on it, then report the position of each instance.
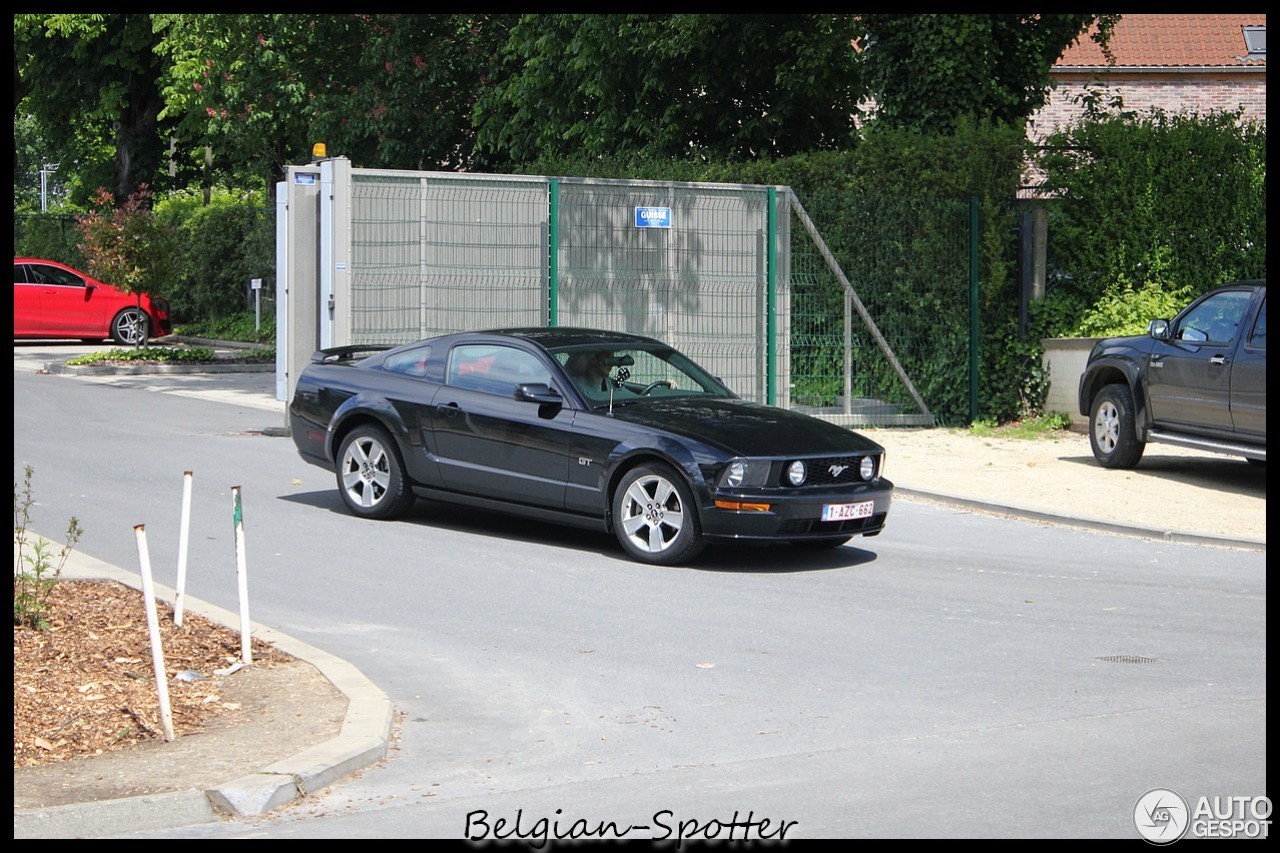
(182, 548)
(153, 628)
(242, 576)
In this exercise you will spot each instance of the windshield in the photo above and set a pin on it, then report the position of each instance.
(621, 375)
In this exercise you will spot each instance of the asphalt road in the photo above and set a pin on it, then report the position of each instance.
(962, 675)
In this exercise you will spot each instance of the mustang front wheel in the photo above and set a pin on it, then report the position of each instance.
(654, 517)
(371, 477)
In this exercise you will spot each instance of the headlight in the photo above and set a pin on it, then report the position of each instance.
(741, 473)
(867, 468)
(796, 473)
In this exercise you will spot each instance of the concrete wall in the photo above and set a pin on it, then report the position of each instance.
(1063, 362)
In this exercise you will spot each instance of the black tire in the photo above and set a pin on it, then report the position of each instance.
(371, 476)
(130, 327)
(821, 544)
(1113, 432)
(654, 516)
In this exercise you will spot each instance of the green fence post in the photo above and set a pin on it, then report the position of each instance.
(771, 284)
(973, 308)
(553, 255)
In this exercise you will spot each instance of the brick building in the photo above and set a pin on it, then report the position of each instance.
(1177, 63)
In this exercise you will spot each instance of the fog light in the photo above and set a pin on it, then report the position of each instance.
(796, 472)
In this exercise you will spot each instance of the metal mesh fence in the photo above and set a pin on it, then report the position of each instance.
(907, 260)
(431, 255)
(699, 285)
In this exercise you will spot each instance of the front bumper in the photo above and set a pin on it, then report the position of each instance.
(794, 515)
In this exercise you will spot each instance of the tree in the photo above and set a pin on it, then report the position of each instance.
(386, 91)
(724, 86)
(925, 71)
(125, 245)
(91, 81)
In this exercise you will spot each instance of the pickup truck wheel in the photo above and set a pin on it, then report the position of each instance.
(1112, 432)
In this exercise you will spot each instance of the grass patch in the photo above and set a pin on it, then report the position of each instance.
(1048, 425)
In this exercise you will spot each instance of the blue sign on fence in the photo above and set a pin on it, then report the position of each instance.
(653, 217)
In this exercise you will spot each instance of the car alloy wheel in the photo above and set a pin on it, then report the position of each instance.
(130, 326)
(370, 476)
(1112, 433)
(654, 517)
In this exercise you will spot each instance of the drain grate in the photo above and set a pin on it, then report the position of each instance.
(1127, 659)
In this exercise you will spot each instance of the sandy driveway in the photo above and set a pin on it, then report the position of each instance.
(1172, 489)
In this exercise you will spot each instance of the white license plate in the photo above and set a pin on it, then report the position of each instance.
(844, 512)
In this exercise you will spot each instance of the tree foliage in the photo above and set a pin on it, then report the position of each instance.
(386, 91)
(925, 71)
(689, 86)
(92, 81)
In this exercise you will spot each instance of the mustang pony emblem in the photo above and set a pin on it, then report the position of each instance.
(837, 470)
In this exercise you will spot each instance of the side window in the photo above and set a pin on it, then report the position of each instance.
(493, 369)
(410, 362)
(43, 274)
(20, 274)
(1258, 337)
(1215, 320)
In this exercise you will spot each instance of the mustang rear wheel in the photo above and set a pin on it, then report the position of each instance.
(654, 517)
(1112, 431)
(370, 475)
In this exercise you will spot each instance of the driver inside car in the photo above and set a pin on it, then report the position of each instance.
(590, 371)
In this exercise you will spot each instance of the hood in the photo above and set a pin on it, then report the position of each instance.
(746, 429)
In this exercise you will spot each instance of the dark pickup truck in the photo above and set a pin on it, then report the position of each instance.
(1198, 380)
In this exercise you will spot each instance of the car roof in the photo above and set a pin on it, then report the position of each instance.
(556, 337)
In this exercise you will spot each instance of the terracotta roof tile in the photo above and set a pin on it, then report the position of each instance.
(1170, 40)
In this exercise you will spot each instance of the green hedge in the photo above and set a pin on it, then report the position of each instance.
(1150, 212)
(226, 243)
(53, 236)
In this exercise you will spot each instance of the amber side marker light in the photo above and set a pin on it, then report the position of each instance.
(742, 506)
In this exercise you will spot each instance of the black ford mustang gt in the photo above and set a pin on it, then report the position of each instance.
(596, 429)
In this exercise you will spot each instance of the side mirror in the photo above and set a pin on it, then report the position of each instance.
(1158, 329)
(538, 392)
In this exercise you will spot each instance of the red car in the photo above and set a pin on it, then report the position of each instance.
(53, 300)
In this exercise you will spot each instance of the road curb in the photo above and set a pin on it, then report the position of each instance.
(362, 742)
(1086, 523)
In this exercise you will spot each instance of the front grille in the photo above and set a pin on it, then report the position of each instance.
(821, 471)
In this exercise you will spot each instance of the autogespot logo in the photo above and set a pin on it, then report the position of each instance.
(1161, 816)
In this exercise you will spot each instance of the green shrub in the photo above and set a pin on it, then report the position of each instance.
(52, 236)
(1154, 210)
(226, 243)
